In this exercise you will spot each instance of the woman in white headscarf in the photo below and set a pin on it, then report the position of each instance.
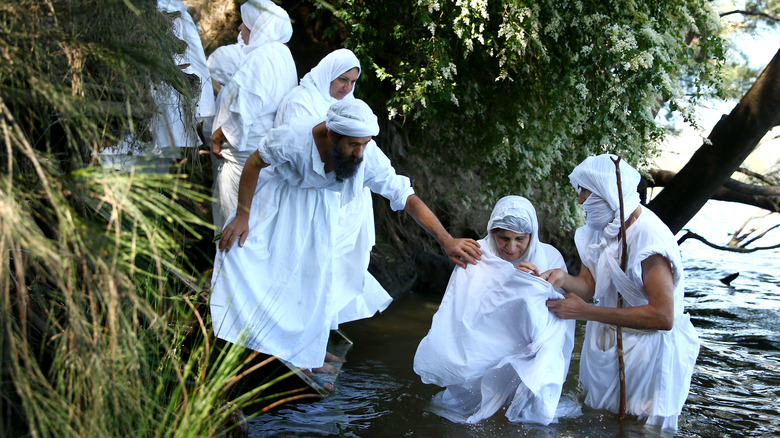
(249, 102)
(492, 339)
(660, 345)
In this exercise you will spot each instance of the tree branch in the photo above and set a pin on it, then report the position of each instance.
(757, 176)
(753, 13)
(691, 235)
(766, 197)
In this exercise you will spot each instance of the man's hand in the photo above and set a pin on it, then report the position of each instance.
(238, 228)
(571, 307)
(555, 277)
(217, 138)
(462, 251)
(528, 267)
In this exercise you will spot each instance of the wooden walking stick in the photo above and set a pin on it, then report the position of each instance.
(623, 262)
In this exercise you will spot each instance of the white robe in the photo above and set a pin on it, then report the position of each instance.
(246, 111)
(367, 295)
(493, 339)
(171, 127)
(276, 293)
(658, 364)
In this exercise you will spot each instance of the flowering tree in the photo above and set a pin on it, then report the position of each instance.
(513, 94)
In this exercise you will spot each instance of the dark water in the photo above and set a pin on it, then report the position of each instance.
(735, 390)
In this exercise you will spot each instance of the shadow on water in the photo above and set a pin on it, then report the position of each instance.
(735, 390)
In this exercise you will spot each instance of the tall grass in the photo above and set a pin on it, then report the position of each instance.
(103, 333)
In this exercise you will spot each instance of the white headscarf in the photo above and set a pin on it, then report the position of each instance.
(224, 62)
(267, 22)
(602, 207)
(518, 215)
(352, 118)
(327, 70)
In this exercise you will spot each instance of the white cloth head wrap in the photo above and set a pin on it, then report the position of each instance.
(267, 22)
(224, 62)
(352, 118)
(328, 69)
(518, 215)
(602, 207)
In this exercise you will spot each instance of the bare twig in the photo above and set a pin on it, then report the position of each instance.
(691, 235)
(750, 13)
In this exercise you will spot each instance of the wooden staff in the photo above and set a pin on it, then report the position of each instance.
(623, 262)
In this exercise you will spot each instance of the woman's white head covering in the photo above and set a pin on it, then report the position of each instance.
(518, 215)
(224, 62)
(352, 118)
(267, 22)
(328, 69)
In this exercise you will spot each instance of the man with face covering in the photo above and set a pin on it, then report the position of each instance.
(273, 292)
(659, 342)
(248, 103)
(492, 342)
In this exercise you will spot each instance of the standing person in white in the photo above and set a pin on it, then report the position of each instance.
(248, 106)
(358, 294)
(659, 342)
(273, 292)
(492, 341)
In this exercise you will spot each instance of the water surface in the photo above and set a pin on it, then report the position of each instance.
(735, 390)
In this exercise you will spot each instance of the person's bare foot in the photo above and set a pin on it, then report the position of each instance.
(330, 357)
(327, 386)
(326, 368)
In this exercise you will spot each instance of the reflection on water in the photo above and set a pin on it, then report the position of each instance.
(735, 390)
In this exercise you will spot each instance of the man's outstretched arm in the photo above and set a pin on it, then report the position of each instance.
(460, 251)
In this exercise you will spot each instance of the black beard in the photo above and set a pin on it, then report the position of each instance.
(345, 167)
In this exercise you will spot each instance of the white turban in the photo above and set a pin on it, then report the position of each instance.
(266, 21)
(352, 118)
(602, 207)
(223, 62)
(328, 69)
(518, 215)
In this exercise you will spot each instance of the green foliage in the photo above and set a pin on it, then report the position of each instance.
(101, 330)
(516, 93)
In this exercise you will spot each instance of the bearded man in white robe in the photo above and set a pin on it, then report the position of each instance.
(660, 345)
(274, 291)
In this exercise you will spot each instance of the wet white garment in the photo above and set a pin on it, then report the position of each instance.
(275, 294)
(493, 340)
(248, 103)
(658, 364)
(359, 294)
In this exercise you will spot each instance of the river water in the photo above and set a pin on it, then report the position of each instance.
(735, 390)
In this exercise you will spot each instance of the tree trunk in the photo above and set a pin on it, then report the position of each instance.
(732, 139)
(766, 197)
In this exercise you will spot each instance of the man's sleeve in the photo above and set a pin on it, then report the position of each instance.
(381, 178)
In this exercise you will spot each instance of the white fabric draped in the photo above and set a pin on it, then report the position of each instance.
(311, 99)
(248, 103)
(360, 294)
(172, 128)
(658, 364)
(493, 339)
(276, 294)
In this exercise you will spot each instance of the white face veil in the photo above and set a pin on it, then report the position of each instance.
(328, 69)
(597, 174)
(267, 22)
(518, 215)
(223, 62)
(602, 207)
